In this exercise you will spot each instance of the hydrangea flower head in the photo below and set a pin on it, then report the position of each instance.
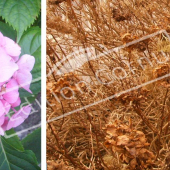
(15, 73)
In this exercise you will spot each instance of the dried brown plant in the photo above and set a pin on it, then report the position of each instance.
(131, 129)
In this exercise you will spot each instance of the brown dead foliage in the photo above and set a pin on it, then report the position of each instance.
(130, 129)
(130, 144)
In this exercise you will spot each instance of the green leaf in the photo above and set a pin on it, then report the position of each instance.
(13, 141)
(12, 159)
(31, 44)
(33, 142)
(8, 31)
(20, 13)
(37, 22)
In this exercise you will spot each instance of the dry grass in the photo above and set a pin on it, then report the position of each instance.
(130, 130)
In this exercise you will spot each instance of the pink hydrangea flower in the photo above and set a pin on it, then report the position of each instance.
(15, 72)
(16, 119)
(23, 75)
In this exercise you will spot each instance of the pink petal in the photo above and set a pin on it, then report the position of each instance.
(2, 119)
(2, 132)
(6, 105)
(12, 48)
(2, 83)
(19, 117)
(24, 78)
(26, 62)
(12, 93)
(4, 126)
(2, 109)
(7, 66)
(17, 103)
